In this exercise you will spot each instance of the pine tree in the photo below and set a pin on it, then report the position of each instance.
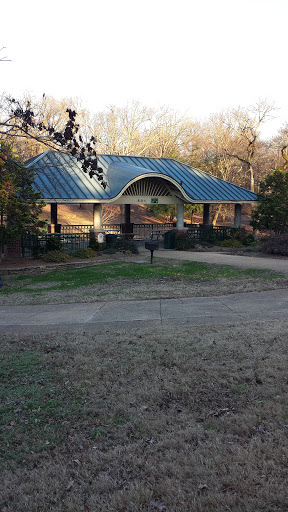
(272, 211)
(20, 205)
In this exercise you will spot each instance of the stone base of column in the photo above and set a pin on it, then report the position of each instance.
(180, 230)
(98, 235)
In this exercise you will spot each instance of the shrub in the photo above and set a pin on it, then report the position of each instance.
(212, 240)
(56, 257)
(249, 240)
(53, 244)
(182, 242)
(277, 244)
(37, 249)
(122, 245)
(231, 242)
(94, 245)
(84, 253)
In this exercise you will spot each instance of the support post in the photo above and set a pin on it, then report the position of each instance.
(127, 226)
(127, 214)
(53, 218)
(206, 214)
(97, 216)
(237, 215)
(180, 216)
(53, 213)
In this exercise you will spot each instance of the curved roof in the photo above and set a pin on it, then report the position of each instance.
(60, 179)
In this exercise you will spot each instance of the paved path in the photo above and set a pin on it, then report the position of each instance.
(239, 307)
(218, 258)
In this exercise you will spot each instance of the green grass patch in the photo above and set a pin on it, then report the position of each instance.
(34, 407)
(105, 274)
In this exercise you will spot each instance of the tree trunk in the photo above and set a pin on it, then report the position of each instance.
(216, 214)
(252, 181)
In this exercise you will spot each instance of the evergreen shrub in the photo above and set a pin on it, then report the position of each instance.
(84, 253)
(56, 257)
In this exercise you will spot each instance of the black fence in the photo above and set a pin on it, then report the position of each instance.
(68, 241)
(212, 234)
(36, 245)
(139, 230)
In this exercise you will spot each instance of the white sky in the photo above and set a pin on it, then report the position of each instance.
(197, 56)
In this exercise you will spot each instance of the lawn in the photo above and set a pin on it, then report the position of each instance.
(143, 420)
(134, 280)
(175, 419)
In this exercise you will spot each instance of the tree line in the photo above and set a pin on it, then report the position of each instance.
(228, 144)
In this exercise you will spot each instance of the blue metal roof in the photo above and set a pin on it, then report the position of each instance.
(60, 178)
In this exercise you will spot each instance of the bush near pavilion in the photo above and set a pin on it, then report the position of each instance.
(20, 205)
(272, 210)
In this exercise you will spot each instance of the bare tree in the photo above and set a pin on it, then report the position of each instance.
(245, 125)
(166, 134)
(280, 146)
(138, 130)
(4, 59)
(122, 130)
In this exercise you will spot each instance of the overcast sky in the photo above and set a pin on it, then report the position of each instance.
(197, 56)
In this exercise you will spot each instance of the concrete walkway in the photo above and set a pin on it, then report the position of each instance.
(218, 258)
(97, 316)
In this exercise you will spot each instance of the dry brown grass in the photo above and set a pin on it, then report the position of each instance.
(186, 419)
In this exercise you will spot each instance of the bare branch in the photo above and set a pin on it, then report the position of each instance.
(4, 59)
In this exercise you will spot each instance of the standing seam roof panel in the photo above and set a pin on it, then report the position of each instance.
(62, 174)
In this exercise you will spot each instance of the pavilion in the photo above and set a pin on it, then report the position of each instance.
(133, 180)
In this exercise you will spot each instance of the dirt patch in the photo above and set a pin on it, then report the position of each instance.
(29, 265)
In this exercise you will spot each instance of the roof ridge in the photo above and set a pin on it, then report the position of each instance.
(35, 159)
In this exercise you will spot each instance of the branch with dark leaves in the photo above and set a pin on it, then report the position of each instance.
(24, 121)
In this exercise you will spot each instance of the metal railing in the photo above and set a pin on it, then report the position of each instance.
(212, 233)
(144, 230)
(69, 241)
(86, 228)
(139, 230)
(36, 245)
(75, 228)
